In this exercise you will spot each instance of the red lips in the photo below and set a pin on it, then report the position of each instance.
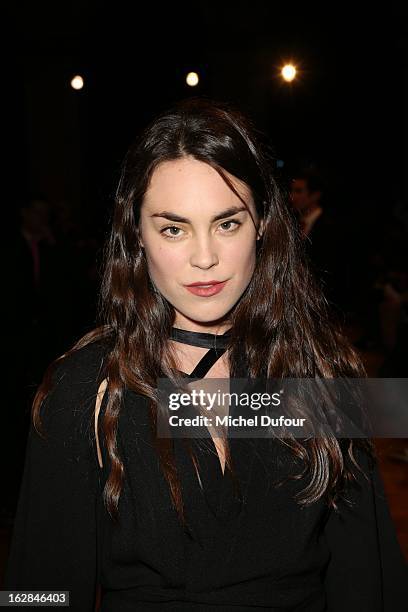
(214, 288)
(200, 283)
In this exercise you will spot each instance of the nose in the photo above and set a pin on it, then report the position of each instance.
(204, 253)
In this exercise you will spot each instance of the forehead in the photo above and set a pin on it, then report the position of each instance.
(189, 183)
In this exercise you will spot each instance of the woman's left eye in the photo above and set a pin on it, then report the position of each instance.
(237, 223)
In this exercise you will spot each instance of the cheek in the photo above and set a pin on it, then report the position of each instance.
(163, 261)
(240, 258)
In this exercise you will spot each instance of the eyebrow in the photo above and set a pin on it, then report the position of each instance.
(233, 210)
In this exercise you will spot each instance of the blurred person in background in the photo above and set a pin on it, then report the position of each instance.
(324, 235)
(26, 274)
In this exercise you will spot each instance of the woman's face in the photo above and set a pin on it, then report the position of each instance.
(194, 229)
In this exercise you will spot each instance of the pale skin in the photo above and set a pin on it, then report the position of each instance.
(184, 243)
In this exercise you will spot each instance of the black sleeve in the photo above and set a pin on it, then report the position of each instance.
(367, 571)
(53, 544)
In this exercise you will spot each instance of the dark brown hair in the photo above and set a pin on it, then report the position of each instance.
(281, 320)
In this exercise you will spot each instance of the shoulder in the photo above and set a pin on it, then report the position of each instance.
(82, 366)
(75, 381)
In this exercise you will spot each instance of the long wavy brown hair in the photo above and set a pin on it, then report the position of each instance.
(282, 321)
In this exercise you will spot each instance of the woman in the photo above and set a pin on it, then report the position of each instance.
(156, 522)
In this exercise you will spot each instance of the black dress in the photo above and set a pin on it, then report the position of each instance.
(264, 552)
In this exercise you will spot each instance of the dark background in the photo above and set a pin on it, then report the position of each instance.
(346, 114)
(347, 111)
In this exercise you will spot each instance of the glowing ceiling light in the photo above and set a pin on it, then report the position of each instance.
(192, 79)
(77, 82)
(288, 72)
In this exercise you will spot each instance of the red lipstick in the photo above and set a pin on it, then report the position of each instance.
(206, 288)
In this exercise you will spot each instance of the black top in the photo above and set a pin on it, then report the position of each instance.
(265, 552)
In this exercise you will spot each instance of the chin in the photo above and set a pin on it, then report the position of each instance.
(205, 318)
(206, 315)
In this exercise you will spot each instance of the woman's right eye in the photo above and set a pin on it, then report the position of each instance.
(170, 227)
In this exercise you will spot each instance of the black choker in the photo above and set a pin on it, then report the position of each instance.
(201, 339)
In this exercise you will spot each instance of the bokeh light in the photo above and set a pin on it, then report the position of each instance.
(192, 79)
(288, 72)
(77, 82)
